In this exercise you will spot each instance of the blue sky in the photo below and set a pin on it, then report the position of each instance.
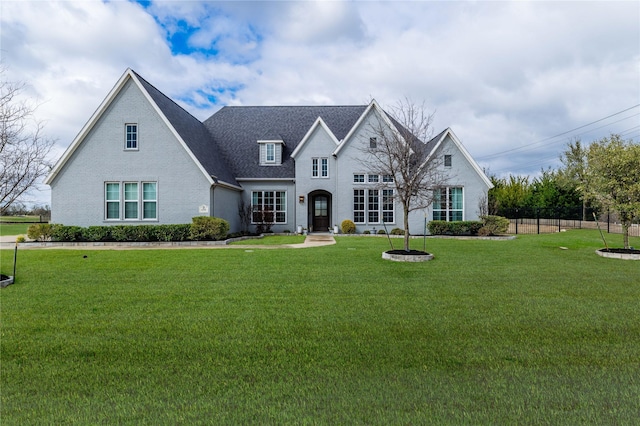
(516, 81)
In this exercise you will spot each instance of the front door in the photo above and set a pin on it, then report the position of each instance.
(320, 213)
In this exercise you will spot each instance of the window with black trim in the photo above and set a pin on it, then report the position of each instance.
(447, 160)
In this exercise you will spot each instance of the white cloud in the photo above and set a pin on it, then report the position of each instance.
(501, 74)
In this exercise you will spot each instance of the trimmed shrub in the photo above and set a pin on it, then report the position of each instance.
(97, 233)
(381, 232)
(66, 233)
(494, 225)
(442, 227)
(40, 231)
(208, 228)
(367, 232)
(171, 232)
(397, 231)
(348, 227)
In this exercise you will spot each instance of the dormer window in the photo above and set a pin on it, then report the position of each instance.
(270, 152)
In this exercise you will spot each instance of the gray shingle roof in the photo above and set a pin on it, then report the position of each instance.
(237, 130)
(194, 134)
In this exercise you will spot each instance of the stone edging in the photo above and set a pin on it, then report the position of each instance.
(624, 256)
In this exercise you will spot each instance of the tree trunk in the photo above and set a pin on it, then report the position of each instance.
(406, 226)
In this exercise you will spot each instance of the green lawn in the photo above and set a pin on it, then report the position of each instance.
(18, 228)
(490, 332)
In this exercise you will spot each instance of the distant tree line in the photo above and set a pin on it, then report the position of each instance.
(603, 176)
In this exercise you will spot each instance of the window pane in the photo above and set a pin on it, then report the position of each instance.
(325, 167)
(149, 191)
(373, 178)
(447, 161)
(113, 191)
(271, 153)
(149, 210)
(358, 178)
(374, 206)
(113, 210)
(131, 191)
(131, 210)
(456, 198)
(131, 136)
(455, 215)
(358, 205)
(314, 167)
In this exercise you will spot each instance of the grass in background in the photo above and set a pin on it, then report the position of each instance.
(490, 332)
(14, 229)
(272, 240)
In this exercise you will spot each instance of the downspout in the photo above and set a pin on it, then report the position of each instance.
(212, 203)
(334, 198)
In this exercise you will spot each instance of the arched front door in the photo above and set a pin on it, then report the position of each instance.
(320, 212)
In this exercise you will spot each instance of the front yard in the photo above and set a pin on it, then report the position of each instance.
(490, 332)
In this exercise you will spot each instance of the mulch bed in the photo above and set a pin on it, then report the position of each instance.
(621, 251)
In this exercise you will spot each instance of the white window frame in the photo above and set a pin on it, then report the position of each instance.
(447, 209)
(108, 201)
(373, 204)
(359, 205)
(388, 205)
(270, 153)
(136, 197)
(131, 129)
(129, 201)
(279, 205)
(320, 167)
(147, 201)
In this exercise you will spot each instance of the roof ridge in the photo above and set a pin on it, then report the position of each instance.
(142, 79)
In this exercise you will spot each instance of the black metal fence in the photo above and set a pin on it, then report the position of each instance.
(537, 220)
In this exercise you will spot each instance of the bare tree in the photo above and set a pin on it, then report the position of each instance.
(23, 148)
(401, 151)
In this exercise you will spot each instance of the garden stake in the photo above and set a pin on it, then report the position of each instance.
(15, 258)
(387, 232)
(601, 234)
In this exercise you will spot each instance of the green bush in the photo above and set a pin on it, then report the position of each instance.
(171, 232)
(397, 231)
(381, 232)
(208, 228)
(348, 227)
(66, 233)
(494, 225)
(367, 232)
(466, 227)
(40, 231)
(97, 233)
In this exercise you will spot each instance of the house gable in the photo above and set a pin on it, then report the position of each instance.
(181, 124)
(447, 136)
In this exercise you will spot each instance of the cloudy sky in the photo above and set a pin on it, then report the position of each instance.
(516, 81)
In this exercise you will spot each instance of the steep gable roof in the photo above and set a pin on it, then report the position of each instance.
(190, 132)
(237, 129)
(193, 133)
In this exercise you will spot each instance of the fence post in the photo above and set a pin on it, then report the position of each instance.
(558, 216)
(538, 219)
(608, 222)
(516, 221)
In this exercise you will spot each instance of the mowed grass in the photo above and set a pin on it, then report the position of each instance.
(13, 229)
(490, 332)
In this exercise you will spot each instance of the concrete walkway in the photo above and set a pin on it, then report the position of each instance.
(312, 240)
